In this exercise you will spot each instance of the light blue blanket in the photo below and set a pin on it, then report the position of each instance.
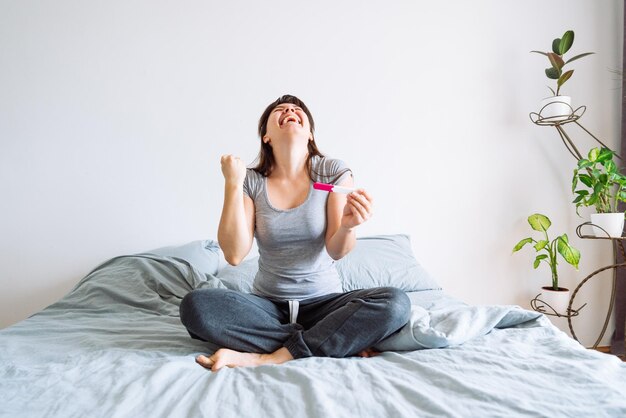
(450, 326)
(114, 347)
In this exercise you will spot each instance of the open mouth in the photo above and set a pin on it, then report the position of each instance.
(290, 119)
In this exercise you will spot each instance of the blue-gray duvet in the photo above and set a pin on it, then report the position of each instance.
(115, 347)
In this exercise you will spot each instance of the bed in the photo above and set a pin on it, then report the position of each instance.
(114, 347)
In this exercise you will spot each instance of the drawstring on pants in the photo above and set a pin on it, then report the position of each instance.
(294, 306)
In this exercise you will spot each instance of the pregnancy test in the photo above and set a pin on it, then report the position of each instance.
(332, 188)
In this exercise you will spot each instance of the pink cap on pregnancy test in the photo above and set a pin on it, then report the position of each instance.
(332, 188)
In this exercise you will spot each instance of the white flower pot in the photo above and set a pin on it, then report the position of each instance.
(556, 108)
(557, 299)
(612, 223)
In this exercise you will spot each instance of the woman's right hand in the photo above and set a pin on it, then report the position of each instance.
(233, 169)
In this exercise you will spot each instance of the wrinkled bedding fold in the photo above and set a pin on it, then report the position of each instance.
(114, 347)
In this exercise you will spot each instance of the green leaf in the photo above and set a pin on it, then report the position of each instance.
(585, 179)
(553, 73)
(520, 244)
(539, 222)
(540, 245)
(555, 45)
(569, 253)
(605, 154)
(566, 76)
(556, 61)
(578, 57)
(593, 154)
(541, 52)
(611, 167)
(597, 188)
(566, 42)
(538, 260)
(595, 174)
(584, 163)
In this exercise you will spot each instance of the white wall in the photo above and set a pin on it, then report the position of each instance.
(113, 116)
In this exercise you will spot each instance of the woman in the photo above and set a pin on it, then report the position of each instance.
(297, 308)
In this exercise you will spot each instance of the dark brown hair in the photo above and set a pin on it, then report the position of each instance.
(266, 154)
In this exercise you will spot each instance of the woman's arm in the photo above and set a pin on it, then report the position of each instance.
(344, 214)
(236, 229)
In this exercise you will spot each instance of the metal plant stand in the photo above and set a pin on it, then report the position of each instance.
(559, 121)
(543, 307)
(537, 304)
(617, 243)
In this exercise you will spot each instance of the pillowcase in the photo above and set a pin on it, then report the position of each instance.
(376, 261)
(240, 277)
(383, 260)
(204, 255)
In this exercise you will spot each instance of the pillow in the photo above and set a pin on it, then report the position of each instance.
(376, 261)
(383, 260)
(204, 255)
(240, 277)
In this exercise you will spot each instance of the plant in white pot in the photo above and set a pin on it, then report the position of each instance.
(555, 296)
(557, 107)
(604, 187)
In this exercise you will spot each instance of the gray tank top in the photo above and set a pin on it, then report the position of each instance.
(293, 262)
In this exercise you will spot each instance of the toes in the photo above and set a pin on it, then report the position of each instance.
(218, 365)
(370, 352)
(204, 361)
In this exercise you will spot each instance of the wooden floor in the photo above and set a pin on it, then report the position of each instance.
(606, 349)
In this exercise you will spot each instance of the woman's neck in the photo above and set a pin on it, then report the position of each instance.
(289, 164)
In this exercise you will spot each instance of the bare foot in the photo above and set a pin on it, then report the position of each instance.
(225, 357)
(370, 352)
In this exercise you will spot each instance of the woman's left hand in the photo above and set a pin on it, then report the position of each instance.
(358, 209)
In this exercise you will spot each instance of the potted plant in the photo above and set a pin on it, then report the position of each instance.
(555, 296)
(605, 187)
(557, 107)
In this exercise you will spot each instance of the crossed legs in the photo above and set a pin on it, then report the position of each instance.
(252, 330)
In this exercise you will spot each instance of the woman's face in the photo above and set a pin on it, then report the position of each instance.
(288, 120)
